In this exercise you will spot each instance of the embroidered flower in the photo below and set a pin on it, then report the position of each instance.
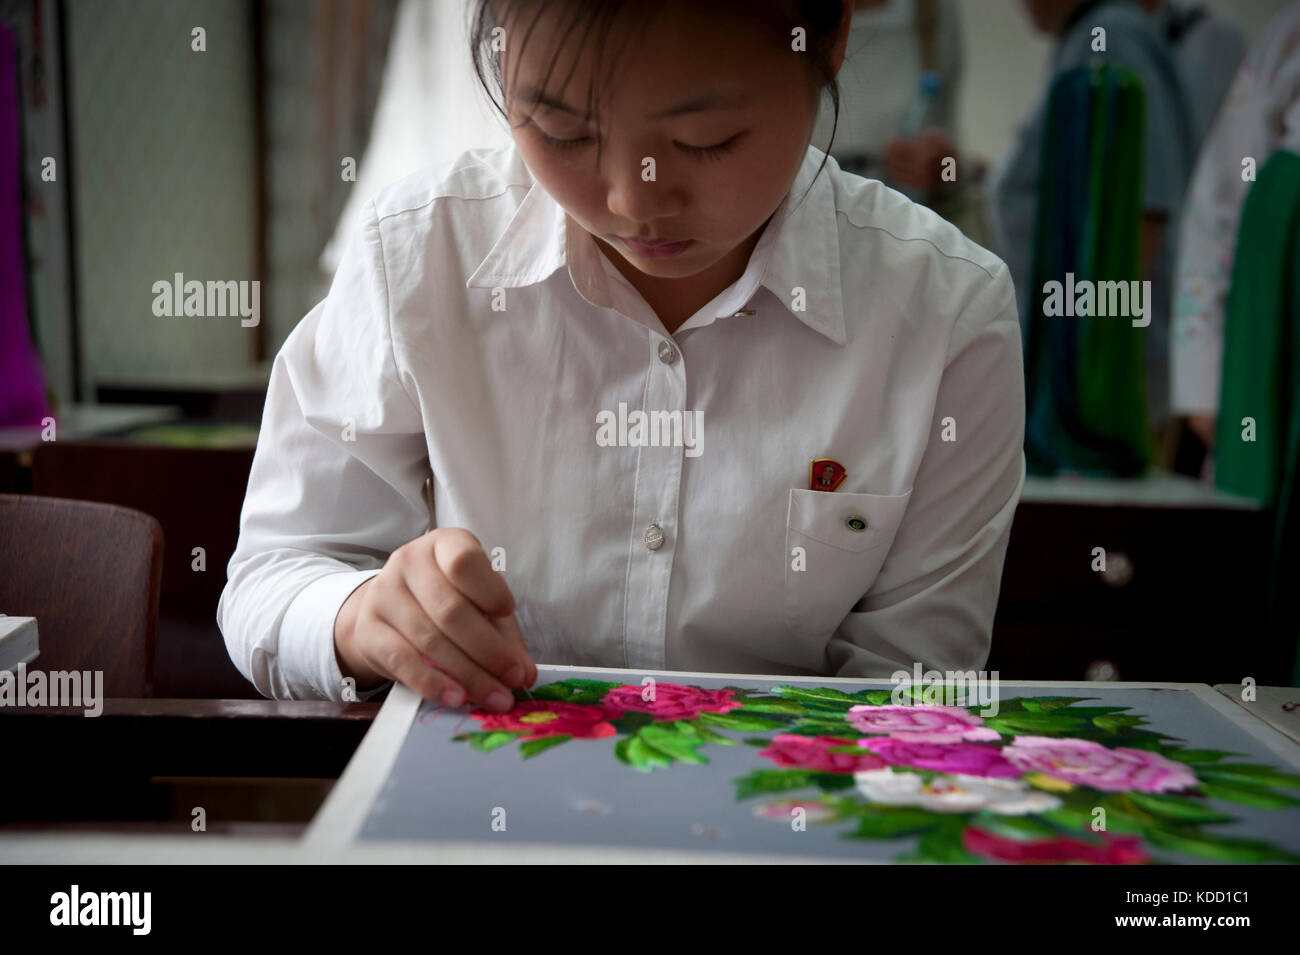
(814, 752)
(671, 701)
(1117, 850)
(1007, 797)
(969, 759)
(1086, 763)
(921, 723)
(548, 718)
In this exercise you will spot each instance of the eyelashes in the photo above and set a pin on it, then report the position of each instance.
(700, 152)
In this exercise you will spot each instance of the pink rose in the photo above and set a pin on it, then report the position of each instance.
(671, 701)
(921, 723)
(1118, 850)
(814, 752)
(1086, 763)
(966, 759)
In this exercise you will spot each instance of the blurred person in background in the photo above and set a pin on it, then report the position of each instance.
(1260, 115)
(898, 96)
(1207, 50)
(1132, 41)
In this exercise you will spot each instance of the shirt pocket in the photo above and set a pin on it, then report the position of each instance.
(845, 538)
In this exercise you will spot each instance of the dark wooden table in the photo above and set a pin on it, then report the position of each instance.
(252, 766)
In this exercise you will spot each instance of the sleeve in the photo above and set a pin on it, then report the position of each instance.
(1207, 247)
(335, 485)
(934, 599)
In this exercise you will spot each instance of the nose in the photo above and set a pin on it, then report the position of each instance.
(635, 197)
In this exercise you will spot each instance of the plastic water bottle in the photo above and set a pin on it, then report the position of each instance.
(921, 111)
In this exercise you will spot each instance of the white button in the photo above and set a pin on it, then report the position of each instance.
(667, 353)
(654, 537)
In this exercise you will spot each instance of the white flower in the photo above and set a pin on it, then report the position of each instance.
(1006, 797)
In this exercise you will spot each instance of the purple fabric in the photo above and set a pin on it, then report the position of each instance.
(22, 383)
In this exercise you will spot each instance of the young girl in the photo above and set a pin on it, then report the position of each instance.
(689, 396)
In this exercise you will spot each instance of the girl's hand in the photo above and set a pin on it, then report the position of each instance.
(439, 619)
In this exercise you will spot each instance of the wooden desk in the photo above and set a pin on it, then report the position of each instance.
(148, 763)
(1182, 599)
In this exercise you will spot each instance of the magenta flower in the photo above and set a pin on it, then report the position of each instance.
(966, 759)
(921, 723)
(543, 718)
(1086, 763)
(670, 701)
(814, 752)
(1118, 850)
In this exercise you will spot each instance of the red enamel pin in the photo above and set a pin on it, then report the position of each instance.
(826, 475)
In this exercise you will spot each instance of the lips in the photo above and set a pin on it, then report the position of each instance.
(658, 248)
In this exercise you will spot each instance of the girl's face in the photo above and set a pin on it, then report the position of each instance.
(724, 112)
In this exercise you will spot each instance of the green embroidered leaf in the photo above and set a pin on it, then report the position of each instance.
(534, 746)
(1198, 755)
(1178, 808)
(762, 781)
(943, 844)
(1022, 827)
(757, 741)
(1033, 724)
(672, 743)
(1247, 795)
(737, 720)
(1088, 712)
(1114, 722)
(823, 728)
(833, 781)
(631, 721)
(569, 691)
(819, 694)
(485, 742)
(1014, 705)
(772, 706)
(709, 736)
(878, 697)
(1046, 704)
(892, 823)
(642, 756)
(1252, 774)
(1221, 848)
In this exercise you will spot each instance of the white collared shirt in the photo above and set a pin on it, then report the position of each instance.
(473, 331)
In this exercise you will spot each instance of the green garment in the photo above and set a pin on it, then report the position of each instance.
(1261, 380)
(1085, 377)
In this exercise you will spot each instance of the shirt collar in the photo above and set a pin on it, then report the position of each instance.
(799, 248)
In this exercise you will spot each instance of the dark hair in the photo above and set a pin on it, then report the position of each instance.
(595, 20)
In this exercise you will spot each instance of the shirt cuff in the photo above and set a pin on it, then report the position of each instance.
(306, 645)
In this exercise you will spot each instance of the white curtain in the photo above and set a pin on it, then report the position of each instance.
(431, 107)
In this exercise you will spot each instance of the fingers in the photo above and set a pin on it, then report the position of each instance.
(389, 653)
(453, 635)
(508, 627)
(460, 557)
(464, 624)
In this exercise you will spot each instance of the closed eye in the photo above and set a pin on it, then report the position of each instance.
(703, 152)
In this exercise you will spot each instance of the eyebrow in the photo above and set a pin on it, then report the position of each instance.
(698, 104)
